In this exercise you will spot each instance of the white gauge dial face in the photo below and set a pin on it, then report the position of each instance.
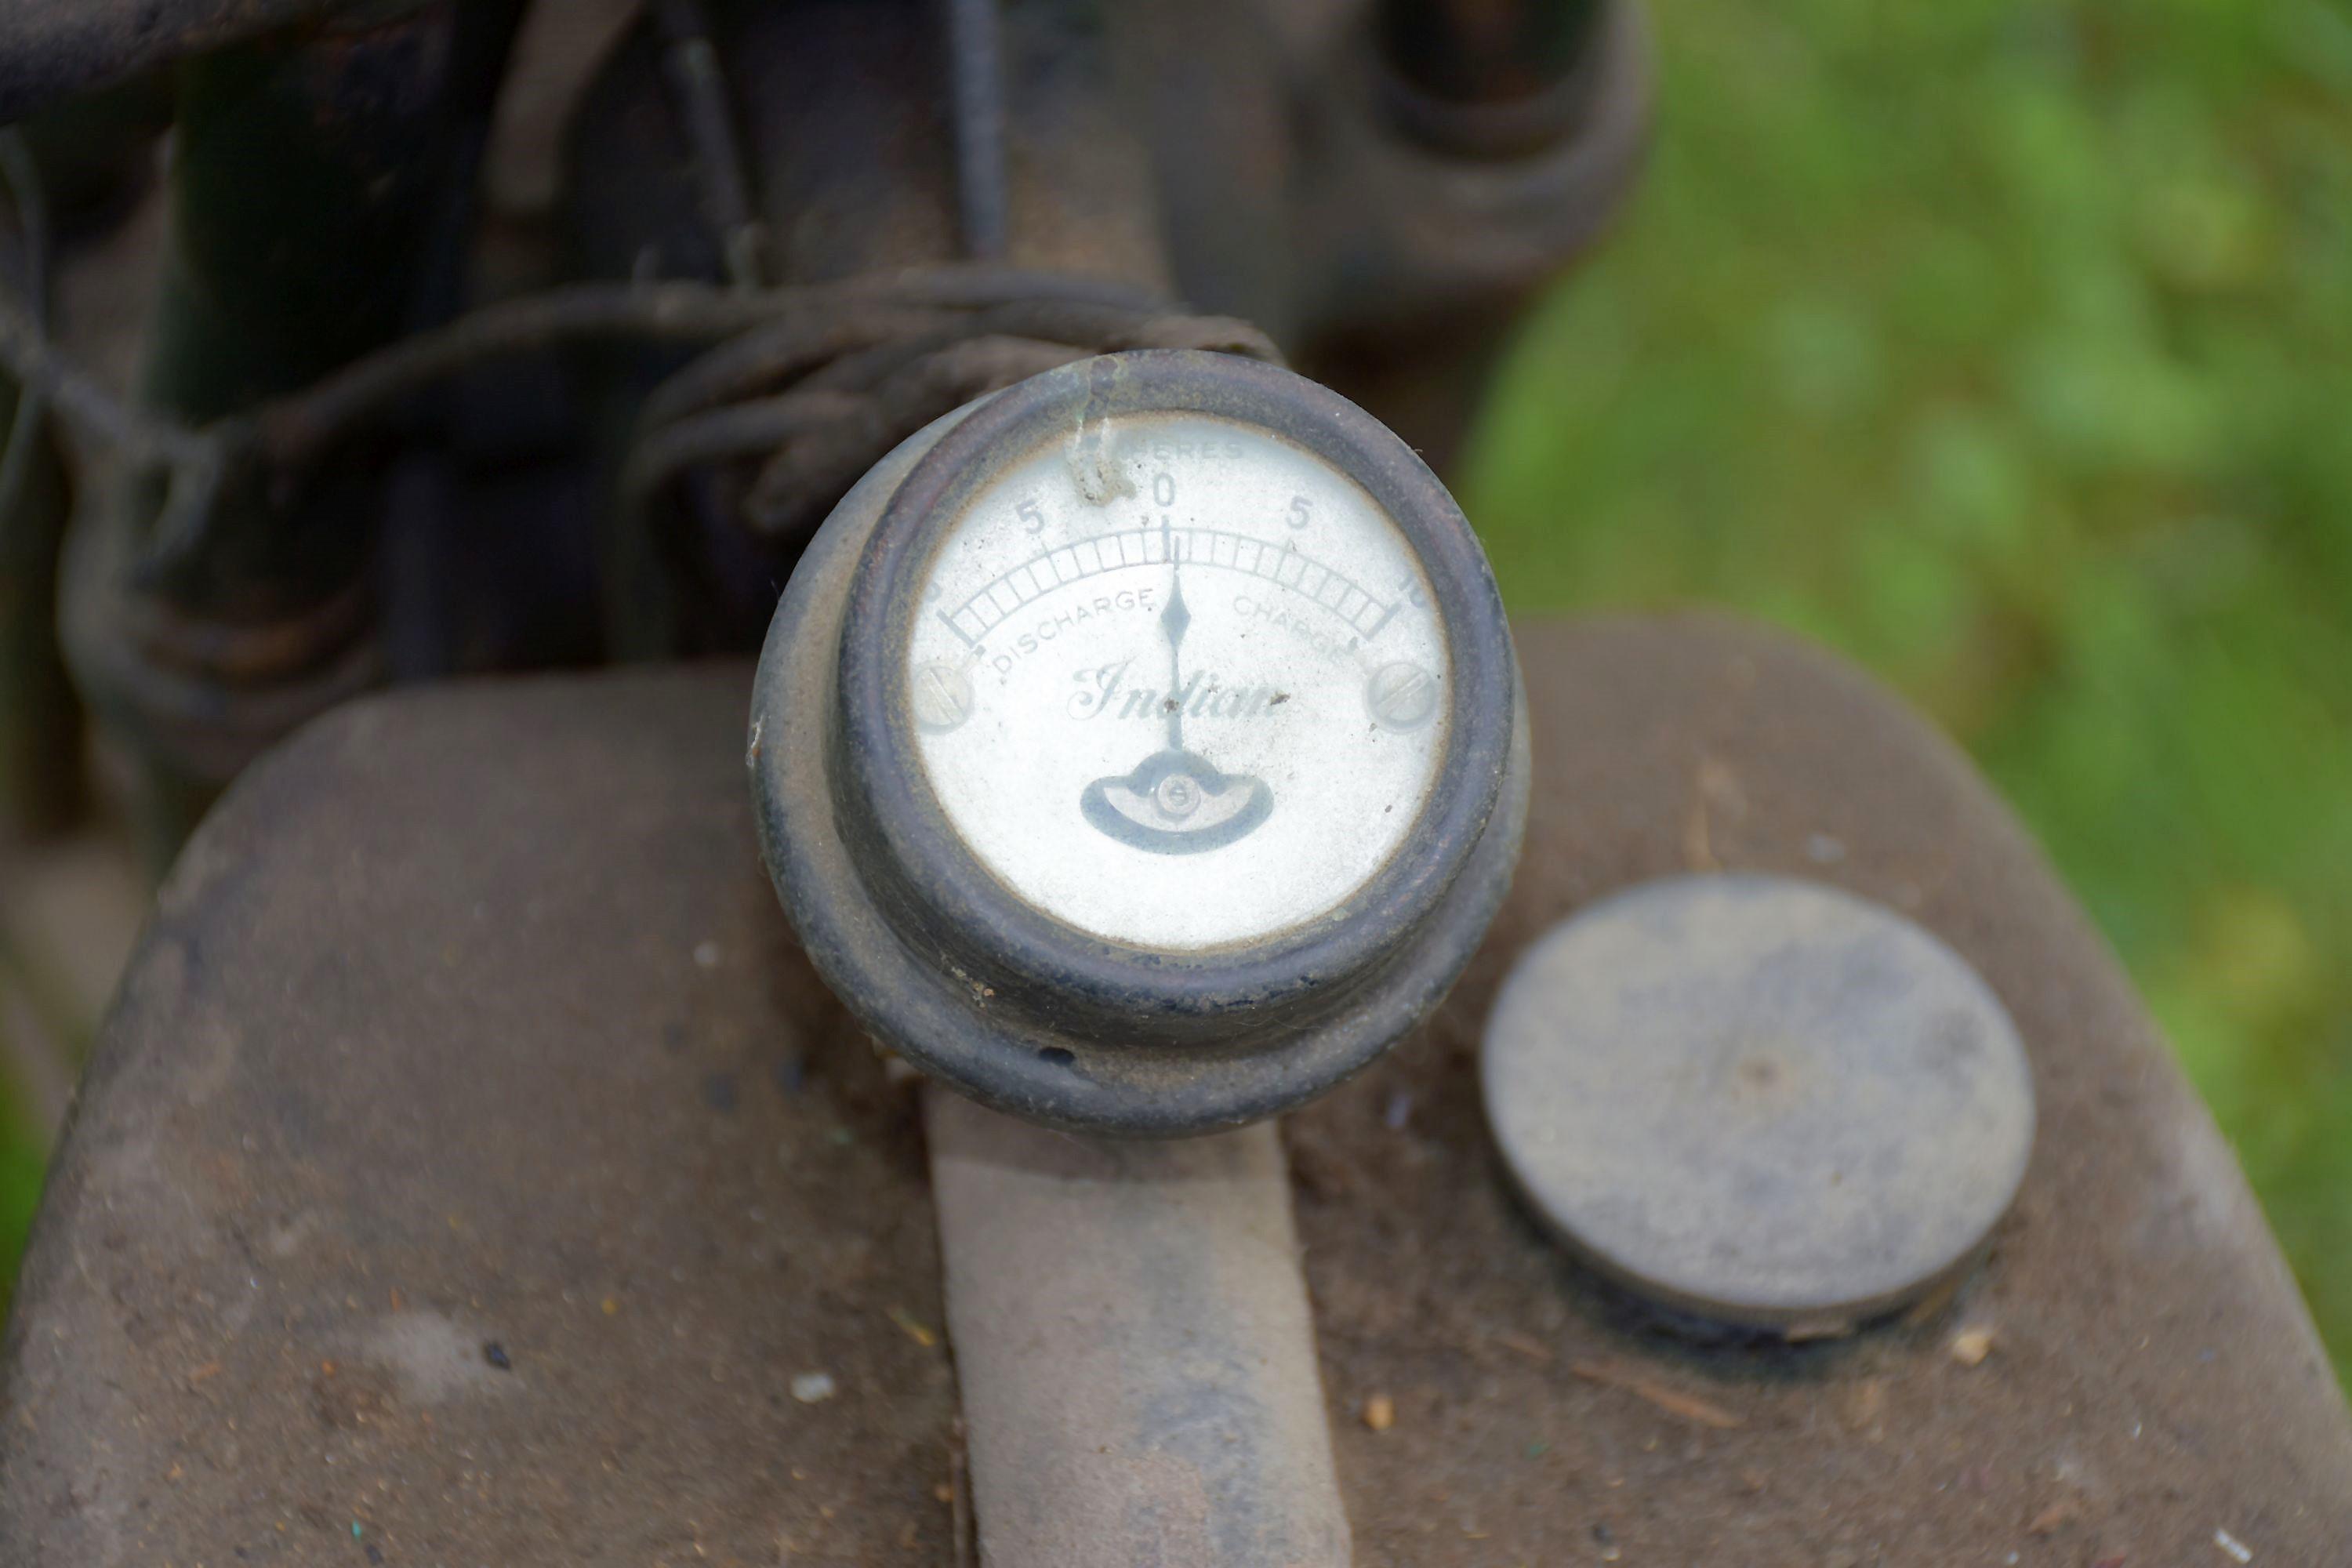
(1179, 683)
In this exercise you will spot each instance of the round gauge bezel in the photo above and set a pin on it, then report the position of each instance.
(956, 901)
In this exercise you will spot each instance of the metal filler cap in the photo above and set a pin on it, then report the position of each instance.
(1760, 1100)
(1139, 748)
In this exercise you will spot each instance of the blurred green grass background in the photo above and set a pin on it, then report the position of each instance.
(2007, 347)
(21, 1166)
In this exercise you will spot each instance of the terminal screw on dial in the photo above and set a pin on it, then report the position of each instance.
(1401, 696)
(940, 695)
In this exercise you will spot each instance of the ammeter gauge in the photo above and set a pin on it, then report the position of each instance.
(1139, 748)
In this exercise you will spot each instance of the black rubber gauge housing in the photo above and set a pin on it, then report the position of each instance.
(1139, 748)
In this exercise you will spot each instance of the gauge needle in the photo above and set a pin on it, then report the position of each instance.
(1173, 620)
(1174, 802)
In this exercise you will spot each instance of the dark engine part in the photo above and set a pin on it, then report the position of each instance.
(1064, 173)
(317, 187)
(1244, 160)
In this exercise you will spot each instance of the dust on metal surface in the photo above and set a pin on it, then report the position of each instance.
(314, 1078)
(1758, 1099)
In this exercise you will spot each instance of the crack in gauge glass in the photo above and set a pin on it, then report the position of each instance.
(1178, 688)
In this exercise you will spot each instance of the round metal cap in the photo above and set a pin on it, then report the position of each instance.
(1757, 1099)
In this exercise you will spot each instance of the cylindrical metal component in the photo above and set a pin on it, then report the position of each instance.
(41, 781)
(309, 185)
(53, 49)
(1500, 79)
(1484, 51)
(976, 83)
(1134, 1348)
(306, 177)
(1423, 223)
(40, 719)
